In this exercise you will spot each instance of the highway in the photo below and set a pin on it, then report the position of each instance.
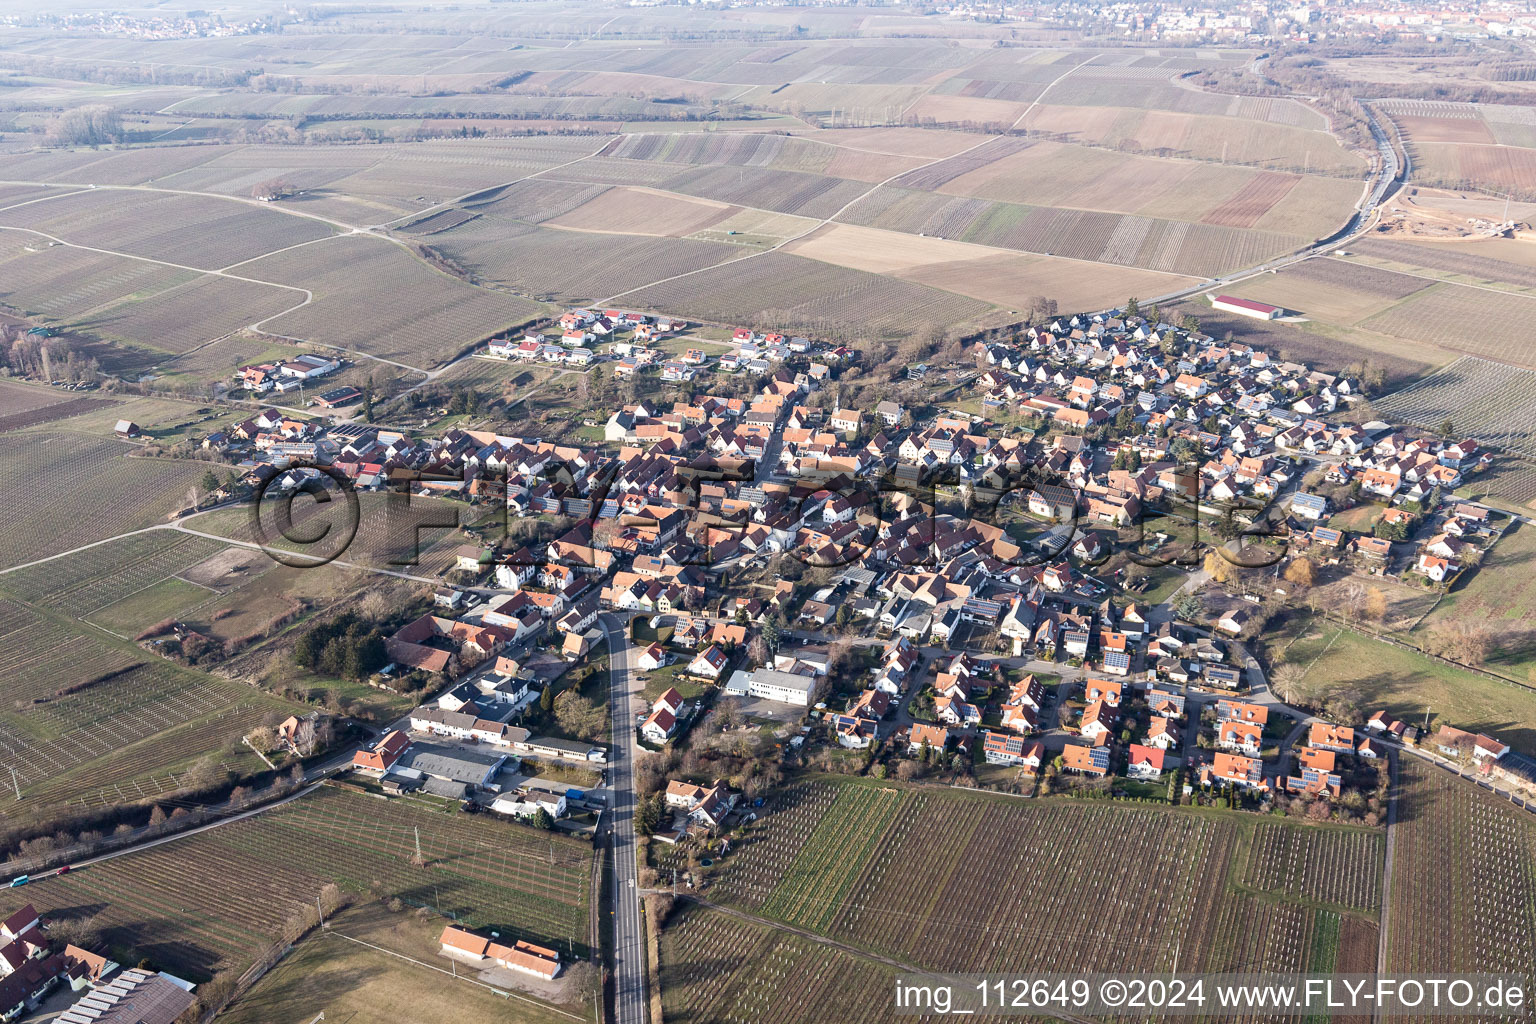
(628, 938)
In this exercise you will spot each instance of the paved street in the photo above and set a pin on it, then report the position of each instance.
(628, 938)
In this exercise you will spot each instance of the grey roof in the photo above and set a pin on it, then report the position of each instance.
(785, 680)
(574, 746)
(444, 787)
(465, 766)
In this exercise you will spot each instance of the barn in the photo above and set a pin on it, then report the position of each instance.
(1246, 307)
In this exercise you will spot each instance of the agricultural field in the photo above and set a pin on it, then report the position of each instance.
(1055, 175)
(78, 584)
(1470, 857)
(1460, 165)
(47, 472)
(880, 886)
(217, 899)
(718, 968)
(981, 272)
(794, 192)
(1151, 243)
(575, 266)
(374, 297)
(639, 211)
(1496, 261)
(91, 723)
(1481, 398)
(779, 291)
(365, 984)
(1463, 145)
(202, 232)
(1338, 866)
(1441, 314)
(61, 283)
(1331, 290)
(22, 406)
(416, 536)
(186, 316)
(1200, 136)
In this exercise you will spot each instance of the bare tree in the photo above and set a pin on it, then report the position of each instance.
(272, 190)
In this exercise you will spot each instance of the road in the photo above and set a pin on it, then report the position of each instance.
(1384, 179)
(629, 1000)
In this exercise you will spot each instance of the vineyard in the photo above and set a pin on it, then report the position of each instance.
(814, 885)
(81, 583)
(194, 231)
(42, 474)
(374, 297)
(575, 266)
(1450, 261)
(30, 406)
(1171, 246)
(1331, 866)
(1486, 400)
(789, 292)
(715, 968)
(1442, 315)
(217, 899)
(947, 882)
(909, 866)
(180, 318)
(1464, 880)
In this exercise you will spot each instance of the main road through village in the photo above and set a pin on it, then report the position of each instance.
(628, 938)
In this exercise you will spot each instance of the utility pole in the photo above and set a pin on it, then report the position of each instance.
(417, 829)
(319, 1017)
(15, 782)
(319, 911)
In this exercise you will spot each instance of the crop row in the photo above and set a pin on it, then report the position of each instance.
(1333, 866)
(1464, 880)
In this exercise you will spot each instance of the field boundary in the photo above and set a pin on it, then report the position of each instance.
(503, 993)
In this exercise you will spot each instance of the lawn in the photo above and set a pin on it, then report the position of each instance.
(1162, 581)
(1499, 595)
(360, 985)
(1361, 519)
(1407, 684)
(137, 612)
(565, 774)
(656, 683)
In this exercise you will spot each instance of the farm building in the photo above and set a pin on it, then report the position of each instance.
(336, 397)
(134, 997)
(520, 956)
(1246, 307)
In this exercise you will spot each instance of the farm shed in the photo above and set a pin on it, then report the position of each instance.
(1246, 307)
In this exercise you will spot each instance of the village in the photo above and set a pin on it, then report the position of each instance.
(1045, 568)
(942, 584)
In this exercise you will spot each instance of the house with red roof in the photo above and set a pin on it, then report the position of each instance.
(384, 754)
(936, 736)
(1144, 762)
(1085, 760)
(1240, 737)
(1237, 771)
